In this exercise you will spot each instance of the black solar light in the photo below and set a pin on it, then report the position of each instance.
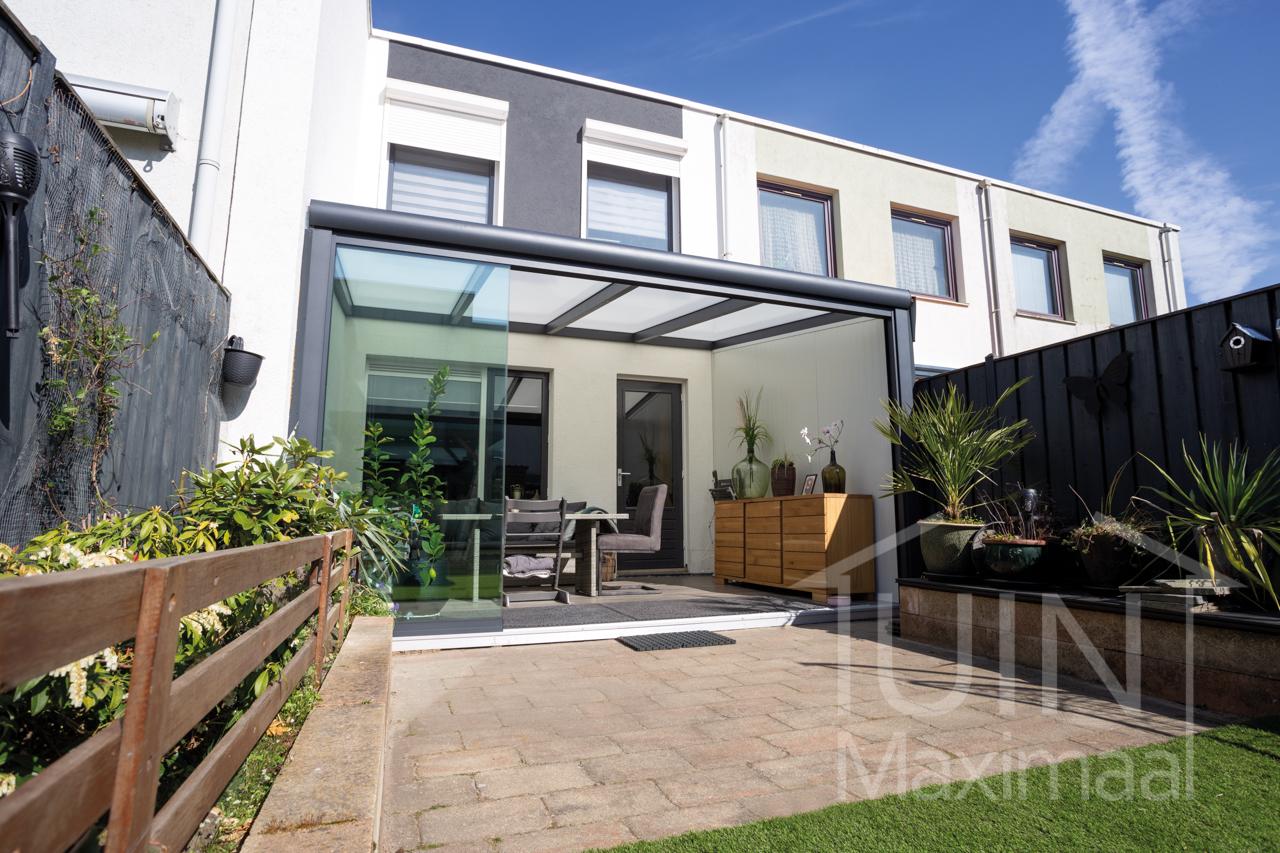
(19, 177)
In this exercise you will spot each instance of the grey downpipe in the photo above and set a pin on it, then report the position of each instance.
(989, 252)
(208, 164)
(1166, 266)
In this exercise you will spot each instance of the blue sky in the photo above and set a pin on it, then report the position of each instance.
(967, 83)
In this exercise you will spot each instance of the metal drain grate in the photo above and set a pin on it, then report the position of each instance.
(675, 640)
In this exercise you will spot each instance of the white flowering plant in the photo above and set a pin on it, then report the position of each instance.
(824, 439)
(274, 492)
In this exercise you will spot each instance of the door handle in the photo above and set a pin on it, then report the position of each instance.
(622, 474)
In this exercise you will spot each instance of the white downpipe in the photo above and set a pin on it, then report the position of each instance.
(208, 164)
(722, 180)
(994, 318)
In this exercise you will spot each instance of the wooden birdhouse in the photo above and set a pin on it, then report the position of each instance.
(1243, 347)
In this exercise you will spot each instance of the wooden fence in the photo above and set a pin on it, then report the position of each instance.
(47, 621)
(1177, 388)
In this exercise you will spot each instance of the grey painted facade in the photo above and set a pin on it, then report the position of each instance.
(543, 166)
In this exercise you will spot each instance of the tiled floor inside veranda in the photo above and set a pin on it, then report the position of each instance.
(577, 745)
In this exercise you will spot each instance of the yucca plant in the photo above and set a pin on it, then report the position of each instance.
(1229, 513)
(950, 444)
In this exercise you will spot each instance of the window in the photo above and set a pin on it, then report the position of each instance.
(442, 185)
(922, 254)
(526, 440)
(795, 230)
(1126, 293)
(629, 207)
(1036, 280)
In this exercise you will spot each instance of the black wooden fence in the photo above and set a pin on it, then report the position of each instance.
(171, 408)
(1177, 389)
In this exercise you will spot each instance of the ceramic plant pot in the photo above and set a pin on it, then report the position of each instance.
(1013, 558)
(946, 546)
(783, 480)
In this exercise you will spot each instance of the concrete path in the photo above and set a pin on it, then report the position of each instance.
(577, 745)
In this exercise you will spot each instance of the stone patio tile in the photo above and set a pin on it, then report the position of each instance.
(398, 832)
(556, 749)
(962, 718)
(537, 779)
(428, 744)
(699, 787)
(724, 753)
(606, 802)
(668, 737)
(805, 741)
(587, 726)
(466, 761)
(801, 771)
(741, 727)
(813, 718)
(450, 722)
(665, 717)
(796, 801)
(678, 821)
(891, 727)
(891, 756)
(482, 821)
(419, 795)
(693, 698)
(972, 741)
(1118, 738)
(615, 708)
(762, 690)
(691, 683)
(752, 708)
(558, 698)
(883, 707)
(750, 676)
(602, 835)
(506, 736)
(636, 766)
(488, 679)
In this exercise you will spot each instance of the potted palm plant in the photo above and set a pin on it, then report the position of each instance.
(750, 476)
(1229, 515)
(948, 448)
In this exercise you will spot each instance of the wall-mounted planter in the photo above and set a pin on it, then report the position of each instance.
(239, 366)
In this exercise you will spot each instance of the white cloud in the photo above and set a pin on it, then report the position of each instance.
(1115, 48)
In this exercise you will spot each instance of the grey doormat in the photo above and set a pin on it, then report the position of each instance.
(675, 640)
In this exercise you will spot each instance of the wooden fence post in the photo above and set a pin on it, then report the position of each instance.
(345, 578)
(133, 796)
(322, 611)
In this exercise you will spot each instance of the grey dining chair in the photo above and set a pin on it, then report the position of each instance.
(534, 530)
(640, 535)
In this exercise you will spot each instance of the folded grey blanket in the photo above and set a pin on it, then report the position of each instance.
(528, 566)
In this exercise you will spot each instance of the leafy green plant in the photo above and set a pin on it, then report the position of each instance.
(267, 493)
(1130, 526)
(750, 431)
(949, 447)
(378, 478)
(1229, 514)
(87, 350)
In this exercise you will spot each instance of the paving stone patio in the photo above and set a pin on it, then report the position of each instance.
(579, 745)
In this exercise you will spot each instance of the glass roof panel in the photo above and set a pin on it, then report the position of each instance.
(540, 298)
(642, 308)
(405, 281)
(746, 321)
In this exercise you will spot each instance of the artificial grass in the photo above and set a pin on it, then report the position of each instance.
(1235, 774)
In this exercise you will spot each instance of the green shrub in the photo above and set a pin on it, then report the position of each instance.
(266, 493)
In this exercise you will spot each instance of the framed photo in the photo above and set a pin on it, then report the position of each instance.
(809, 483)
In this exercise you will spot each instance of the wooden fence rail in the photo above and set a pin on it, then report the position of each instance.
(47, 621)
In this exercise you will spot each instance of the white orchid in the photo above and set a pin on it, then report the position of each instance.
(826, 439)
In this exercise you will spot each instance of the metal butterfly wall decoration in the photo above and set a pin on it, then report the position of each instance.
(1110, 387)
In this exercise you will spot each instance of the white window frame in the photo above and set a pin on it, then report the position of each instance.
(444, 121)
(635, 149)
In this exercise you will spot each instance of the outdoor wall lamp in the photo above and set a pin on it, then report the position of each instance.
(19, 177)
(239, 366)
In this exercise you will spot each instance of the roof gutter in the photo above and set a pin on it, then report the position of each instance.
(517, 243)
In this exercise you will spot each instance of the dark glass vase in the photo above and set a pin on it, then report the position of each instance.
(833, 477)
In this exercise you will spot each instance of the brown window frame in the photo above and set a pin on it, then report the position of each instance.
(1055, 276)
(826, 200)
(953, 292)
(1144, 310)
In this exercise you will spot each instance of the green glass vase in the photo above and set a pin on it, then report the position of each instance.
(751, 478)
(833, 477)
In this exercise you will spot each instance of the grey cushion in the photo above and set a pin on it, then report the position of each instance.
(627, 542)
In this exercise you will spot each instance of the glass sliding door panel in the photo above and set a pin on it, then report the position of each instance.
(417, 347)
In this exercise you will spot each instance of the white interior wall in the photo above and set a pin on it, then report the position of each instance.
(811, 379)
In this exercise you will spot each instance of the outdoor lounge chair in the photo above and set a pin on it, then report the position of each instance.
(641, 535)
(533, 550)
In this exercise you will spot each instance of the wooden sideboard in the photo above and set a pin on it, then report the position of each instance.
(800, 542)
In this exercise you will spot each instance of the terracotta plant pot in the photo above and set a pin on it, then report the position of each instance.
(1011, 558)
(783, 480)
(946, 546)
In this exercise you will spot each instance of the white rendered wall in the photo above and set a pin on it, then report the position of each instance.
(811, 379)
(699, 220)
